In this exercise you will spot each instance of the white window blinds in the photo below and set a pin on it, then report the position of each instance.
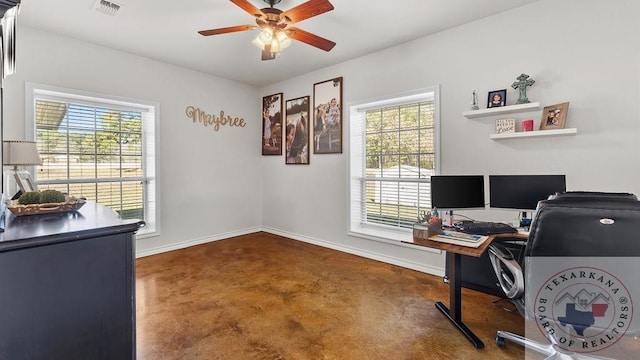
(393, 155)
(93, 152)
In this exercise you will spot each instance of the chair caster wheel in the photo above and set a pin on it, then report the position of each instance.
(500, 341)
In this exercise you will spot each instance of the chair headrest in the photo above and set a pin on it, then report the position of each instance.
(586, 224)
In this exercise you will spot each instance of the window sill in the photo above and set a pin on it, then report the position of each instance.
(393, 237)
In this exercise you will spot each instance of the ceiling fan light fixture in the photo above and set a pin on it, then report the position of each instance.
(275, 45)
(278, 39)
(283, 38)
(258, 43)
(264, 37)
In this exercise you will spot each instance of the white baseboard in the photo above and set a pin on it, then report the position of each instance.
(433, 270)
(194, 242)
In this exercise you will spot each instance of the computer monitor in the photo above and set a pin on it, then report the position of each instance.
(522, 192)
(457, 191)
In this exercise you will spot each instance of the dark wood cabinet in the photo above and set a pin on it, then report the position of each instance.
(67, 287)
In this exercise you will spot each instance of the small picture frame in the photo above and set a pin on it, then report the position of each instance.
(505, 126)
(24, 182)
(554, 116)
(272, 124)
(497, 98)
(297, 131)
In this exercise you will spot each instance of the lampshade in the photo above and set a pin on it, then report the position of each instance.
(18, 152)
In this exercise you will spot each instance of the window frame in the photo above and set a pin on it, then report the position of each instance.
(356, 205)
(150, 133)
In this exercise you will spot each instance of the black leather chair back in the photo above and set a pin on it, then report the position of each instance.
(579, 233)
(586, 224)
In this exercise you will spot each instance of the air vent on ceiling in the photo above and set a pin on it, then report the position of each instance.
(106, 7)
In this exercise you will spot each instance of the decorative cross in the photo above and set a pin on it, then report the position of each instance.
(521, 84)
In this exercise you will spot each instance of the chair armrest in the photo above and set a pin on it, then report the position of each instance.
(501, 251)
(508, 271)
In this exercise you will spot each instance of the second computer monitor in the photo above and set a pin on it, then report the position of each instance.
(457, 191)
(522, 192)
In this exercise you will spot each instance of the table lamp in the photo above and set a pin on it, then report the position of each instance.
(19, 153)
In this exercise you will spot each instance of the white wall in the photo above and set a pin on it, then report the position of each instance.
(210, 181)
(586, 52)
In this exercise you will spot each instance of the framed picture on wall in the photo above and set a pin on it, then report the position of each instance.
(297, 131)
(554, 116)
(327, 117)
(497, 98)
(272, 124)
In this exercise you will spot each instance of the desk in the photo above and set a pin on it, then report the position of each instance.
(454, 253)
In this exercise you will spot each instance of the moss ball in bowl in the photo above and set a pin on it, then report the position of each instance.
(30, 197)
(51, 196)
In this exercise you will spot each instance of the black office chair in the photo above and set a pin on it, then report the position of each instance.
(571, 232)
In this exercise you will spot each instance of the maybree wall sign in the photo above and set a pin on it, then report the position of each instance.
(205, 119)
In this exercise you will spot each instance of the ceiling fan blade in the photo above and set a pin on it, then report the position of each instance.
(311, 39)
(306, 10)
(226, 30)
(246, 6)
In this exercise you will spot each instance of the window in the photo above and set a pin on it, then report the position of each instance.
(393, 153)
(99, 148)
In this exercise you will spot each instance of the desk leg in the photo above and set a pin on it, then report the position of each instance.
(455, 300)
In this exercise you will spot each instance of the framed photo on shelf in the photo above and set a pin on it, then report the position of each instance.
(24, 182)
(297, 131)
(327, 117)
(497, 98)
(554, 116)
(272, 124)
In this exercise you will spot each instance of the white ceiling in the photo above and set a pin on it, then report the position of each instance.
(167, 30)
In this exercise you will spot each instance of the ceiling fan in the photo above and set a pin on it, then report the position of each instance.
(276, 34)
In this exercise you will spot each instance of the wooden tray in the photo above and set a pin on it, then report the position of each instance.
(72, 204)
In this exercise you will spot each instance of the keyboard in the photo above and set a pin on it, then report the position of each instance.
(486, 228)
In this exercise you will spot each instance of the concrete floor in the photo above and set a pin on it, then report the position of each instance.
(263, 296)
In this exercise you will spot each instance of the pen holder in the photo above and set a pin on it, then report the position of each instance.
(425, 230)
